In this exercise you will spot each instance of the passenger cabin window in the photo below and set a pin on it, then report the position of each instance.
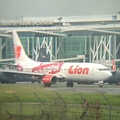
(103, 69)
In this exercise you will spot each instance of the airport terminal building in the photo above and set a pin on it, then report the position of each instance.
(75, 38)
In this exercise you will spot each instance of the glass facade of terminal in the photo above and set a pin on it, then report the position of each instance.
(7, 51)
(71, 46)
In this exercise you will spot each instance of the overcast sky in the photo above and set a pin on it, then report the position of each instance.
(52, 8)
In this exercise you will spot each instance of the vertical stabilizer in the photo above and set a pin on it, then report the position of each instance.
(113, 65)
(20, 55)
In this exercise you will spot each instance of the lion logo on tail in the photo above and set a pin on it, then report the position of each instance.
(17, 51)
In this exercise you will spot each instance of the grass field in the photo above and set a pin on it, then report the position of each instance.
(33, 101)
(30, 92)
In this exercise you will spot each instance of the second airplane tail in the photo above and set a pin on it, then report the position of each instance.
(113, 65)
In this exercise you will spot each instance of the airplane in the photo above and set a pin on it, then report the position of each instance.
(51, 72)
(116, 75)
(10, 79)
(115, 79)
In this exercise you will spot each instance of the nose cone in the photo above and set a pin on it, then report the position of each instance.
(107, 75)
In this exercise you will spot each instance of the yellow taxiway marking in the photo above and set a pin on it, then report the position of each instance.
(9, 91)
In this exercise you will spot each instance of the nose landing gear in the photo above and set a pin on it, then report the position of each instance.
(101, 83)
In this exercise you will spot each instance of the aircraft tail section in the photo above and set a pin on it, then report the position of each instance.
(113, 65)
(20, 55)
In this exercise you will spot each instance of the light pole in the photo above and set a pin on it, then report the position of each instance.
(114, 17)
(60, 18)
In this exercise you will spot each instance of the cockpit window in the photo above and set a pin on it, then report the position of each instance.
(103, 69)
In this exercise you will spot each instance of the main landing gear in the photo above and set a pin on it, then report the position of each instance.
(69, 84)
(47, 85)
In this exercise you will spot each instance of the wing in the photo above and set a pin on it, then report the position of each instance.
(15, 73)
(29, 74)
(45, 78)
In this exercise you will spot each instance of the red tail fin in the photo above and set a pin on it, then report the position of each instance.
(113, 65)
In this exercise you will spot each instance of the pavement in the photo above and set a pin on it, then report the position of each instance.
(83, 88)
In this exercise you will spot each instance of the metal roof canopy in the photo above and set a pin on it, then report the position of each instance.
(6, 60)
(41, 32)
(5, 35)
(49, 33)
(68, 59)
(104, 31)
(92, 30)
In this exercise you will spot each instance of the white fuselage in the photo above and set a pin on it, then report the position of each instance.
(71, 71)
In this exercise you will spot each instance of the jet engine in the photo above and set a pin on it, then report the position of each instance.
(49, 79)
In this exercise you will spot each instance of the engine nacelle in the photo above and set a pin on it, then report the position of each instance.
(49, 79)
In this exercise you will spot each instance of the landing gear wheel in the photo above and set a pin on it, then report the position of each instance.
(69, 84)
(38, 82)
(47, 85)
(101, 85)
(33, 81)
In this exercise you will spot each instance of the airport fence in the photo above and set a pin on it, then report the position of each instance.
(56, 108)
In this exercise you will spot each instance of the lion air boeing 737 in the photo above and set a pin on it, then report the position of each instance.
(50, 72)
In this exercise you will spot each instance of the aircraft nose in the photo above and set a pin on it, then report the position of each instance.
(108, 75)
